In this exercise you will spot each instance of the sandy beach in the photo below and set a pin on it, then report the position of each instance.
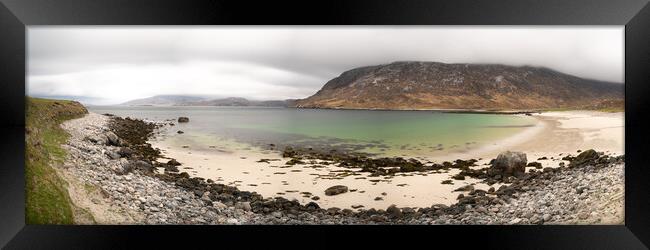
(554, 135)
(560, 133)
(570, 131)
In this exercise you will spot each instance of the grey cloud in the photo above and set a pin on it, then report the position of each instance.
(301, 60)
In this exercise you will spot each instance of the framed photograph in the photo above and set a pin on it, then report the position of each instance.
(485, 123)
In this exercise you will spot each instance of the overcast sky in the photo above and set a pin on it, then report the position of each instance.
(109, 65)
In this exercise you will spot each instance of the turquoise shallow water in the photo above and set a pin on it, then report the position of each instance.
(386, 133)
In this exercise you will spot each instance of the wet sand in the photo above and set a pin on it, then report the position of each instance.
(570, 131)
(555, 135)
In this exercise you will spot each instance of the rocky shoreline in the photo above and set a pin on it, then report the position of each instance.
(112, 155)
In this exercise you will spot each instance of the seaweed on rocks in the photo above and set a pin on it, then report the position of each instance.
(376, 166)
(135, 133)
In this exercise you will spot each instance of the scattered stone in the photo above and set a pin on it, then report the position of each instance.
(466, 188)
(173, 162)
(535, 164)
(246, 206)
(515, 221)
(125, 152)
(586, 157)
(334, 190)
(113, 155)
(394, 212)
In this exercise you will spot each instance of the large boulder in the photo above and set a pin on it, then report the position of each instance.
(509, 164)
(334, 190)
(587, 157)
(183, 119)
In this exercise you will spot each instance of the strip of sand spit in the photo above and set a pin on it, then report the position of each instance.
(557, 134)
(570, 131)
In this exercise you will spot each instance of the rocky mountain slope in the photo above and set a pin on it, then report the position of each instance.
(432, 85)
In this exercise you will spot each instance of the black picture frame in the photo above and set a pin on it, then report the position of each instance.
(17, 15)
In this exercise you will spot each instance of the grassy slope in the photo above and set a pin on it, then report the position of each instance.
(47, 200)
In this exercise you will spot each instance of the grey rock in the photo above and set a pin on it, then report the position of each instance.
(206, 196)
(141, 165)
(98, 139)
(509, 164)
(113, 140)
(394, 212)
(377, 218)
(245, 206)
(334, 190)
(515, 221)
(466, 188)
(583, 216)
(112, 155)
(408, 210)
(586, 157)
(125, 152)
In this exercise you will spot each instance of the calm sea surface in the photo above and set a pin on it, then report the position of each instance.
(384, 133)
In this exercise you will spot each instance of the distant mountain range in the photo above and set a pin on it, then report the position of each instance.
(433, 85)
(180, 100)
(239, 101)
(163, 100)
